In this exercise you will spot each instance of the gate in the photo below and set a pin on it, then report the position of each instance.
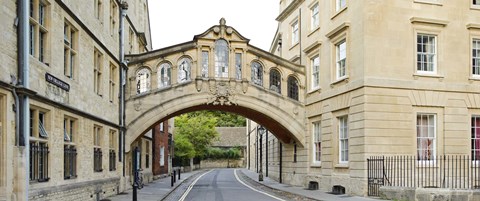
(376, 175)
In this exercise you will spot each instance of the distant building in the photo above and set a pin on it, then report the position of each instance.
(163, 148)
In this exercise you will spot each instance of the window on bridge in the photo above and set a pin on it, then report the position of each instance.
(184, 67)
(275, 81)
(221, 58)
(143, 80)
(164, 75)
(257, 73)
(292, 87)
(238, 66)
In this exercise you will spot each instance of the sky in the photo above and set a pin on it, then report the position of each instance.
(177, 21)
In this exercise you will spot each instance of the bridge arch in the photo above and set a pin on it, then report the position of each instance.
(283, 116)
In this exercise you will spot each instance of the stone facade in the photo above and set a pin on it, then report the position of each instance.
(369, 77)
(73, 106)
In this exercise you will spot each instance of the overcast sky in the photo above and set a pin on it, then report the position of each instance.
(177, 21)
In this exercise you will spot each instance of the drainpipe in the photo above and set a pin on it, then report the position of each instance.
(266, 153)
(23, 68)
(122, 74)
(281, 159)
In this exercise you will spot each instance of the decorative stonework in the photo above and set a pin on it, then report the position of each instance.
(222, 93)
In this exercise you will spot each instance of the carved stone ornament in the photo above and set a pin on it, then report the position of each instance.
(222, 94)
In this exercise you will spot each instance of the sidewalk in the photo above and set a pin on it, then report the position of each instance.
(312, 194)
(156, 190)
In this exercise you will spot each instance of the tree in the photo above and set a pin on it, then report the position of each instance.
(198, 129)
(183, 149)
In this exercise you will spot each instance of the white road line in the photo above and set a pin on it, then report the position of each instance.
(191, 186)
(236, 176)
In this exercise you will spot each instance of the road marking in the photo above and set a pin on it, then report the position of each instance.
(236, 176)
(191, 186)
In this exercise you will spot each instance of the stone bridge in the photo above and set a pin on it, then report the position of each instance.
(217, 70)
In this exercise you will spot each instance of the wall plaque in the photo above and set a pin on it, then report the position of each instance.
(57, 82)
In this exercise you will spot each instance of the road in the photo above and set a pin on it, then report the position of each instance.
(223, 185)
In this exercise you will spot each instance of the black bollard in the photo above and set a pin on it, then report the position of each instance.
(178, 174)
(174, 176)
(171, 181)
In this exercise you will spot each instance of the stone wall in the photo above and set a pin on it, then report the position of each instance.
(428, 194)
(222, 163)
(82, 191)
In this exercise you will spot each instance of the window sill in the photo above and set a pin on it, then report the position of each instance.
(431, 75)
(474, 78)
(429, 2)
(318, 89)
(475, 7)
(342, 79)
(316, 165)
(313, 31)
(339, 12)
(294, 45)
(342, 165)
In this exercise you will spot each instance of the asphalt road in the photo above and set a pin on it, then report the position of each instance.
(223, 185)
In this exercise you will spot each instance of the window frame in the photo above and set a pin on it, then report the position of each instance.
(164, 70)
(113, 17)
(257, 73)
(339, 6)
(317, 142)
(341, 71)
(293, 88)
(97, 71)
(70, 44)
(38, 142)
(38, 23)
(205, 63)
(314, 16)
(315, 83)
(112, 82)
(143, 80)
(238, 65)
(435, 54)
(112, 148)
(294, 32)
(475, 60)
(343, 136)
(432, 156)
(69, 147)
(188, 72)
(97, 148)
(273, 77)
(222, 54)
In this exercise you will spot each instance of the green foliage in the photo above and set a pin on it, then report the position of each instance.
(218, 153)
(183, 148)
(199, 130)
(223, 119)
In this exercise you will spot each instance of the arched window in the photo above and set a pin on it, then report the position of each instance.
(164, 75)
(143, 80)
(184, 66)
(257, 73)
(221, 58)
(275, 81)
(292, 87)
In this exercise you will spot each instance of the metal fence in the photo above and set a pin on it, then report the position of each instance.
(445, 171)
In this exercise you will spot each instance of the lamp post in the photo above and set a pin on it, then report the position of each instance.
(260, 131)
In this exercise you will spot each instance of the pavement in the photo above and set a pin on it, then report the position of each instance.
(161, 189)
(298, 192)
(155, 190)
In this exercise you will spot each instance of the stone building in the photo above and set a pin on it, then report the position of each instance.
(74, 63)
(382, 78)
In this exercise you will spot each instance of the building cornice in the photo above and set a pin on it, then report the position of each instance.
(290, 8)
(276, 59)
(138, 58)
(421, 20)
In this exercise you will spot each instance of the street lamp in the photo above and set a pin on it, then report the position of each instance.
(260, 131)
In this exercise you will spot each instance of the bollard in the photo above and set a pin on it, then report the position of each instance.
(174, 176)
(171, 181)
(178, 174)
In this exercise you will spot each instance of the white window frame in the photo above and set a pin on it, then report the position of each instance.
(340, 4)
(295, 32)
(476, 136)
(427, 53)
(315, 17)
(162, 156)
(475, 66)
(476, 2)
(317, 138)
(143, 79)
(343, 139)
(315, 67)
(341, 59)
(429, 128)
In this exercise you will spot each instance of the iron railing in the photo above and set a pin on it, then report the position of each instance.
(97, 159)
(111, 160)
(39, 162)
(70, 162)
(443, 171)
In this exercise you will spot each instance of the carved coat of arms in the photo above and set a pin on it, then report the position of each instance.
(222, 93)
